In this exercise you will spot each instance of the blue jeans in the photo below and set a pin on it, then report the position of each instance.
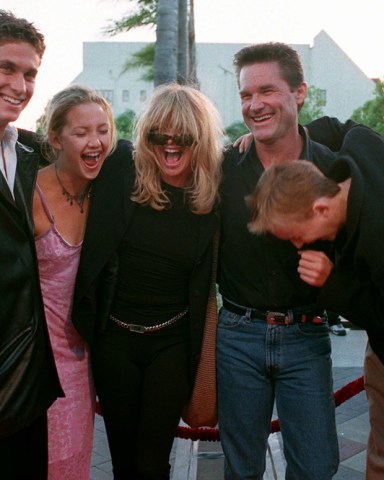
(259, 363)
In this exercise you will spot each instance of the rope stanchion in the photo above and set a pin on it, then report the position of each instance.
(349, 390)
(204, 434)
(213, 434)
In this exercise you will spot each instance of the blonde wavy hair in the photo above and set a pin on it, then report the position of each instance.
(185, 111)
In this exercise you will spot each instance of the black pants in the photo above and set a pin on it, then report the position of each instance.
(142, 384)
(24, 455)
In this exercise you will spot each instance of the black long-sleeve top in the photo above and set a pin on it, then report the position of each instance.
(156, 259)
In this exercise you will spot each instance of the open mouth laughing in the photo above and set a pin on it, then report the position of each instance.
(172, 156)
(91, 160)
(261, 118)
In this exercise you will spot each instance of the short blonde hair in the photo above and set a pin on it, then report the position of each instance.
(288, 189)
(188, 112)
(59, 106)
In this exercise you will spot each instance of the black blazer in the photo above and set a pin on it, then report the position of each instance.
(28, 378)
(110, 214)
(355, 287)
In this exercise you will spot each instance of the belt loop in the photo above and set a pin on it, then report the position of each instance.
(290, 316)
(248, 313)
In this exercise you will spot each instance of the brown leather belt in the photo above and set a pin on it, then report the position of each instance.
(287, 317)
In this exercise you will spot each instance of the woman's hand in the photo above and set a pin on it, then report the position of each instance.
(243, 142)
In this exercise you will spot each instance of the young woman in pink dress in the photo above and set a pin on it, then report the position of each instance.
(80, 135)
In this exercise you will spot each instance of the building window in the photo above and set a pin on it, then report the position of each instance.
(143, 95)
(108, 95)
(125, 95)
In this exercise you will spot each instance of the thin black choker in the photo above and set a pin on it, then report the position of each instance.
(79, 198)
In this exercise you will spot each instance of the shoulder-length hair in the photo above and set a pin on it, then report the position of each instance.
(186, 111)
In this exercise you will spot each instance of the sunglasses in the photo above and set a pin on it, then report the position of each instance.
(162, 139)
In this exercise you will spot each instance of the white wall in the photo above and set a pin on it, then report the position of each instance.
(326, 66)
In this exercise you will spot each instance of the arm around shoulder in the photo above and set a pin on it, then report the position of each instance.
(329, 131)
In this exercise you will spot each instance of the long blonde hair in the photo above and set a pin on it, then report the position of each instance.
(186, 111)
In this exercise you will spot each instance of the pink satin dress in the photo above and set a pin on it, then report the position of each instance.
(70, 419)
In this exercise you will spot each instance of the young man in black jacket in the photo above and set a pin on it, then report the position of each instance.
(28, 377)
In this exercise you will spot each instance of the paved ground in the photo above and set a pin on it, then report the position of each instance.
(204, 460)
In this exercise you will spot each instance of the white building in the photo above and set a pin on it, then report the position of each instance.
(326, 67)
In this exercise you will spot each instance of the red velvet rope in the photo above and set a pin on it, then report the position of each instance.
(212, 434)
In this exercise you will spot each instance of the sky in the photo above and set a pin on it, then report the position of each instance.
(355, 26)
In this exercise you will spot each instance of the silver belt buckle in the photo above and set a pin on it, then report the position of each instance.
(136, 328)
(277, 318)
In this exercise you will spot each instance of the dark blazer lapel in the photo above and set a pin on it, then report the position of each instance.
(110, 213)
(26, 171)
(23, 190)
(5, 191)
(27, 165)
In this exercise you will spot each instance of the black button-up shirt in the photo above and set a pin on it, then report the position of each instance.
(260, 271)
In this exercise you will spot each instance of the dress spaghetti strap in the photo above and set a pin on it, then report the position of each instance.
(45, 205)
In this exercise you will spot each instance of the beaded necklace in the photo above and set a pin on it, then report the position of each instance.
(77, 198)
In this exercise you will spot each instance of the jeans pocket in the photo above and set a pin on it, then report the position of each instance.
(228, 319)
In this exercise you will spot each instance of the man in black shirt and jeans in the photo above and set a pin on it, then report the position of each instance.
(272, 343)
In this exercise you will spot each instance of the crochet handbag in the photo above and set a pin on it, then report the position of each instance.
(201, 410)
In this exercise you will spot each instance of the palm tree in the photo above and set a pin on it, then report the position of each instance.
(170, 16)
(182, 43)
(192, 75)
(165, 63)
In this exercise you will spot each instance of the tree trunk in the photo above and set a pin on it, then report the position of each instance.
(192, 76)
(165, 63)
(182, 51)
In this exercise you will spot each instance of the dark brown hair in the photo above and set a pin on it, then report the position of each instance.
(287, 58)
(13, 29)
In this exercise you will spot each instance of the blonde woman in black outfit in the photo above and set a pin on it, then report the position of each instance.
(144, 275)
